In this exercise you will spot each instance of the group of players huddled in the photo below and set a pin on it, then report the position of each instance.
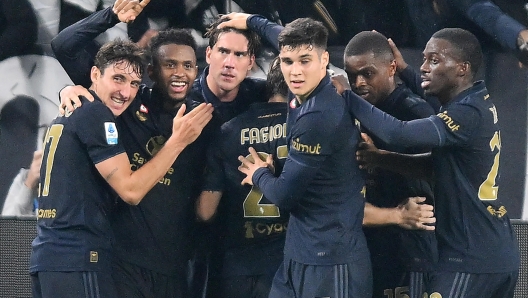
(216, 184)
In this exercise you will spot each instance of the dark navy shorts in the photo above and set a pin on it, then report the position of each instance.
(133, 281)
(441, 284)
(254, 286)
(299, 280)
(78, 284)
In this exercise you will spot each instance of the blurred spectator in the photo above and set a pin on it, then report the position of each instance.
(18, 136)
(18, 29)
(20, 199)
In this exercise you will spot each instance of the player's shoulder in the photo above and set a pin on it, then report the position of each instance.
(92, 110)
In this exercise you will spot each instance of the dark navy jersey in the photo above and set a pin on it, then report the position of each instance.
(411, 250)
(253, 229)
(473, 229)
(157, 233)
(321, 184)
(250, 90)
(73, 230)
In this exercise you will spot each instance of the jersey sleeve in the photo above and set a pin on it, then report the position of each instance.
(460, 121)
(96, 128)
(309, 146)
(265, 29)
(75, 47)
(428, 132)
(214, 170)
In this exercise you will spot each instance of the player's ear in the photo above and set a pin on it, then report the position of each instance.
(95, 73)
(208, 52)
(392, 68)
(251, 62)
(464, 68)
(325, 59)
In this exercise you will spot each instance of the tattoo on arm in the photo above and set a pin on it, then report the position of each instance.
(111, 174)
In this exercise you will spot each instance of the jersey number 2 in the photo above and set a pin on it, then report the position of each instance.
(252, 205)
(488, 189)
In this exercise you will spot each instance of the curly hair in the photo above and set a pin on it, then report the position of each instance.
(170, 36)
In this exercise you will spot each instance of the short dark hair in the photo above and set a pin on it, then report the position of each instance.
(466, 45)
(275, 83)
(213, 33)
(369, 42)
(171, 36)
(304, 31)
(121, 51)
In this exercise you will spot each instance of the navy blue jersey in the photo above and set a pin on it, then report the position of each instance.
(473, 229)
(411, 250)
(253, 229)
(157, 233)
(73, 230)
(250, 90)
(321, 183)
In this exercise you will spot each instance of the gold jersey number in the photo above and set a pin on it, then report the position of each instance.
(488, 190)
(52, 138)
(252, 205)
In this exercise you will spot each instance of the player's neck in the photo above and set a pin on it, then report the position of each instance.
(221, 94)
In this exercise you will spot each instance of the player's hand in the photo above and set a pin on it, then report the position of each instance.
(522, 48)
(187, 128)
(34, 170)
(400, 62)
(340, 82)
(236, 20)
(251, 164)
(415, 215)
(128, 10)
(367, 154)
(69, 98)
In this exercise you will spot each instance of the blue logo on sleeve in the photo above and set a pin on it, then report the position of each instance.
(111, 133)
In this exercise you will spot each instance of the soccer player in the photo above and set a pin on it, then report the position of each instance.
(72, 253)
(224, 82)
(321, 186)
(478, 252)
(371, 67)
(253, 229)
(155, 239)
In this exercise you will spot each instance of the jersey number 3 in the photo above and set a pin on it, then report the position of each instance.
(252, 205)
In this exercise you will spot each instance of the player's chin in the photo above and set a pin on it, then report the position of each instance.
(178, 97)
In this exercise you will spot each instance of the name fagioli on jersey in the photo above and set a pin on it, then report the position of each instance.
(255, 135)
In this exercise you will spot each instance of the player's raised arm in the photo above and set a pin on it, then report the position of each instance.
(132, 186)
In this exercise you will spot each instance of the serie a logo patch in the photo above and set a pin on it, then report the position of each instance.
(111, 133)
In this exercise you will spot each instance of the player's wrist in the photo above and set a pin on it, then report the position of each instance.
(174, 143)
